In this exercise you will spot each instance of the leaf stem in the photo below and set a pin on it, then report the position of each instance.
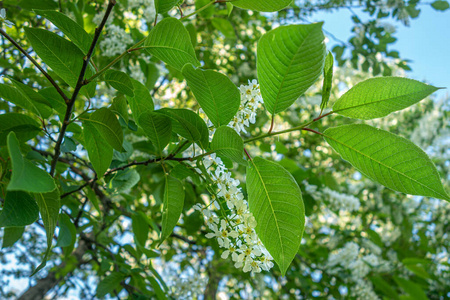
(50, 79)
(204, 7)
(78, 87)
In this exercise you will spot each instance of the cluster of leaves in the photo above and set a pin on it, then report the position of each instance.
(69, 157)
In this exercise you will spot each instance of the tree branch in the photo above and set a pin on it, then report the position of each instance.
(52, 81)
(79, 85)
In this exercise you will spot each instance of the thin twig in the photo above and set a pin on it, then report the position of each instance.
(52, 81)
(78, 87)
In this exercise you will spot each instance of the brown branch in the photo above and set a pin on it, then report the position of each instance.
(78, 87)
(52, 81)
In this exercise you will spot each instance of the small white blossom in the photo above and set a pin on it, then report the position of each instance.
(3, 18)
(116, 41)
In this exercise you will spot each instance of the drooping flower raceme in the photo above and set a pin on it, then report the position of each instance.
(116, 41)
(232, 224)
(250, 101)
(3, 19)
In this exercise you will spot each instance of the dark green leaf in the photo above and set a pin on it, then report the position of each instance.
(110, 284)
(140, 229)
(11, 235)
(163, 6)
(142, 100)
(172, 206)
(19, 209)
(18, 98)
(106, 123)
(25, 175)
(23, 126)
(99, 151)
(440, 5)
(67, 232)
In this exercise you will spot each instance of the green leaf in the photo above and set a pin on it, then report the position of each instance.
(207, 12)
(388, 159)
(189, 125)
(163, 6)
(440, 5)
(140, 229)
(157, 127)
(327, 80)
(290, 60)
(276, 202)
(120, 107)
(266, 5)
(25, 175)
(124, 181)
(109, 284)
(18, 98)
(69, 27)
(41, 4)
(227, 142)
(169, 41)
(106, 123)
(99, 151)
(49, 204)
(41, 104)
(19, 209)
(67, 232)
(225, 27)
(215, 92)
(384, 286)
(55, 100)
(61, 55)
(120, 81)
(23, 126)
(172, 206)
(11, 235)
(378, 97)
(414, 290)
(142, 100)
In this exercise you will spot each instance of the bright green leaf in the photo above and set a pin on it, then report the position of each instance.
(120, 81)
(25, 175)
(276, 202)
(215, 92)
(69, 27)
(19, 209)
(23, 126)
(99, 151)
(378, 97)
(266, 5)
(172, 206)
(140, 229)
(106, 123)
(388, 159)
(225, 27)
(227, 142)
(120, 107)
(327, 80)
(170, 42)
(157, 127)
(19, 98)
(290, 60)
(49, 204)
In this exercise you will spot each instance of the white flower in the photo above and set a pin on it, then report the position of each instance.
(3, 18)
(116, 41)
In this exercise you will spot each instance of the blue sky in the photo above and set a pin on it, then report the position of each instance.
(426, 42)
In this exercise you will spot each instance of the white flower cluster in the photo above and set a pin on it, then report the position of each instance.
(4, 20)
(340, 201)
(116, 41)
(250, 101)
(145, 7)
(187, 288)
(234, 229)
(363, 290)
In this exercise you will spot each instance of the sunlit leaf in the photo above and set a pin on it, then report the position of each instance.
(226, 142)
